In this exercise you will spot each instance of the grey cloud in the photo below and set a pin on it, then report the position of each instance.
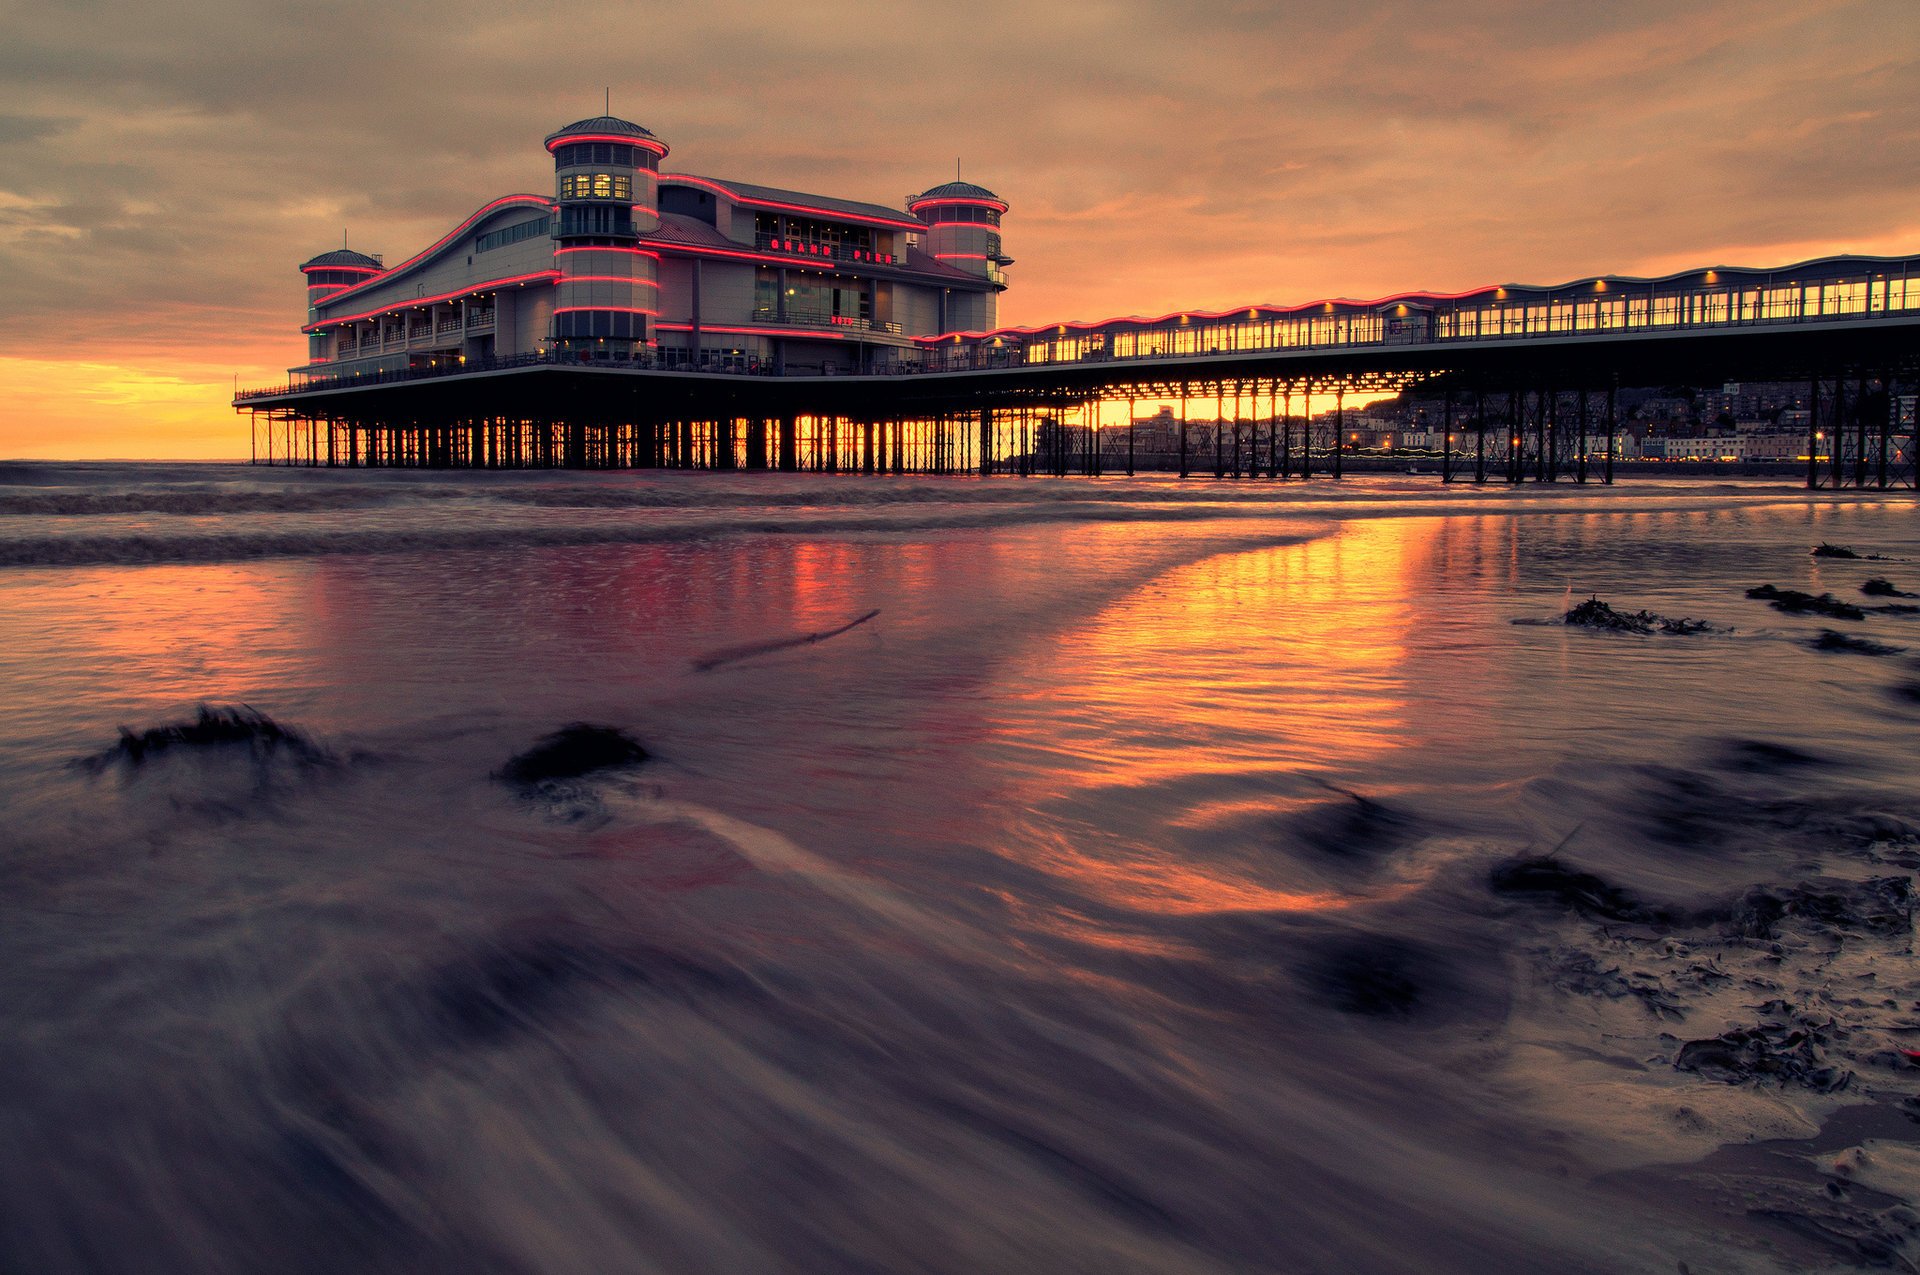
(176, 161)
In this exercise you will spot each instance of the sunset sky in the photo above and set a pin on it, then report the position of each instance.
(164, 168)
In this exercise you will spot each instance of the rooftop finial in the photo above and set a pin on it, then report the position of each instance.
(609, 106)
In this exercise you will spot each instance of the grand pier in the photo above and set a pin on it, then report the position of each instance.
(642, 318)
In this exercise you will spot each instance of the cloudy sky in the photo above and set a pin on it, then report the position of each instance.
(165, 166)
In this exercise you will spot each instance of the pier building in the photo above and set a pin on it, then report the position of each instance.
(630, 261)
(641, 316)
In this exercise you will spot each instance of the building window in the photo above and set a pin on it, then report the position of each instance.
(512, 234)
(596, 186)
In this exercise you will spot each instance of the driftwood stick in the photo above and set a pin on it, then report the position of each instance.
(729, 655)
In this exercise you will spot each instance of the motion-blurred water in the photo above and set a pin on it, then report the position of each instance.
(1125, 896)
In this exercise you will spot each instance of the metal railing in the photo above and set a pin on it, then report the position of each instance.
(820, 319)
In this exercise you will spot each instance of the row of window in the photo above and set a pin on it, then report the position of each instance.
(581, 153)
(513, 234)
(960, 212)
(596, 186)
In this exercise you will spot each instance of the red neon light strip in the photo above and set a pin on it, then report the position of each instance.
(360, 269)
(416, 302)
(530, 201)
(918, 204)
(963, 256)
(638, 252)
(829, 213)
(608, 278)
(658, 148)
(600, 309)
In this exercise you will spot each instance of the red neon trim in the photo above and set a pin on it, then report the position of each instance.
(392, 272)
(829, 213)
(658, 148)
(963, 256)
(359, 269)
(608, 309)
(416, 302)
(608, 278)
(638, 252)
(918, 204)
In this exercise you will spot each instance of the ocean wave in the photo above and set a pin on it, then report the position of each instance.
(146, 547)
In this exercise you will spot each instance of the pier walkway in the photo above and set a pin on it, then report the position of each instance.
(1526, 377)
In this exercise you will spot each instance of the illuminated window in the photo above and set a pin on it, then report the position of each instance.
(596, 186)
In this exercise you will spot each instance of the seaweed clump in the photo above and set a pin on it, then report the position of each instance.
(1825, 550)
(1794, 602)
(229, 727)
(1831, 641)
(1878, 905)
(1878, 587)
(1595, 614)
(1545, 879)
(573, 752)
(1789, 1053)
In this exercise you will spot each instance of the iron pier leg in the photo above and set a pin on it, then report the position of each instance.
(1813, 433)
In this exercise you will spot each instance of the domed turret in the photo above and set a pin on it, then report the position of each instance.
(607, 188)
(963, 232)
(327, 274)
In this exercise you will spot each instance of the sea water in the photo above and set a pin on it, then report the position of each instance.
(1161, 876)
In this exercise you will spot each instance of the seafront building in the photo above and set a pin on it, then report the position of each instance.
(638, 316)
(628, 260)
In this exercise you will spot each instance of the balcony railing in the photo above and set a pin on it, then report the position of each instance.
(479, 319)
(817, 319)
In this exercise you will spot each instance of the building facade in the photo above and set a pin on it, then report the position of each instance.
(630, 262)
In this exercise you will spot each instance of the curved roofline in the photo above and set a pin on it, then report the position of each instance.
(892, 223)
(342, 259)
(402, 303)
(426, 254)
(596, 125)
(1349, 303)
(653, 144)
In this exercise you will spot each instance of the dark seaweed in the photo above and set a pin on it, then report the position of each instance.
(1595, 614)
(1546, 879)
(573, 752)
(232, 727)
(1825, 550)
(1356, 827)
(1879, 588)
(1878, 905)
(1764, 757)
(1792, 1053)
(1831, 641)
(1795, 602)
